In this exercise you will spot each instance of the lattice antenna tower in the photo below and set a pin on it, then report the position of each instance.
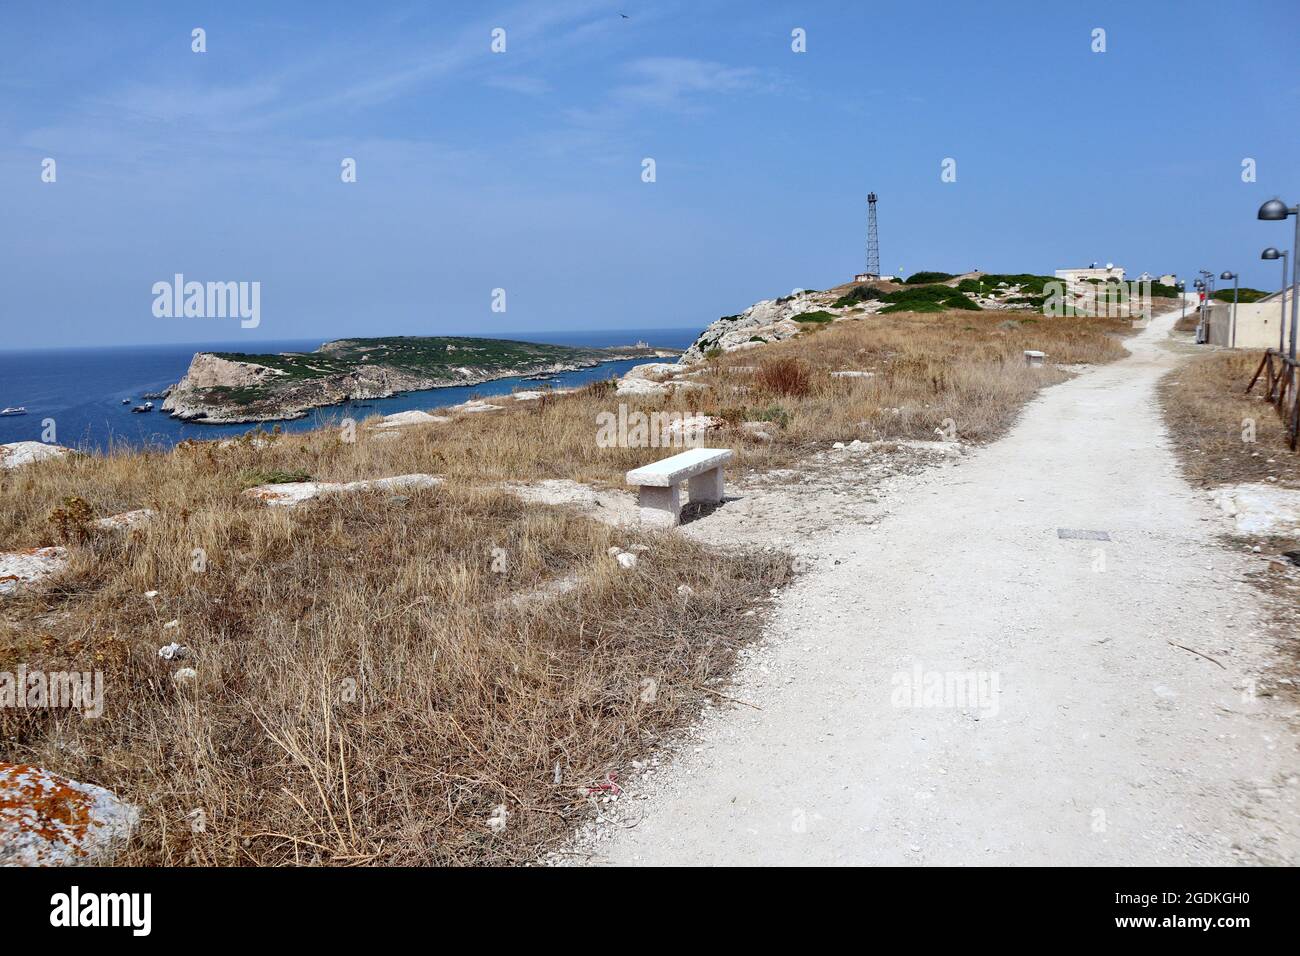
(873, 237)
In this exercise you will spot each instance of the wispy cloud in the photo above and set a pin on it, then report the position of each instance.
(669, 84)
(680, 83)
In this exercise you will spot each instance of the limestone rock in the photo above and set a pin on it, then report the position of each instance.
(25, 567)
(49, 820)
(15, 454)
(127, 520)
(413, 417)
(292, 493)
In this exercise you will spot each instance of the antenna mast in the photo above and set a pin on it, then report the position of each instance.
(873, 238)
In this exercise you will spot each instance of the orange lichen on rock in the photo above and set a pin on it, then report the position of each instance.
(49, 820)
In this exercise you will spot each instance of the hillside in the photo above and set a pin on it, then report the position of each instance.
(224, 387)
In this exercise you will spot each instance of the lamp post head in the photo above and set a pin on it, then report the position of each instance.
(1273, 210)
(1198, 284)
(1228, 275)
(1271, 253)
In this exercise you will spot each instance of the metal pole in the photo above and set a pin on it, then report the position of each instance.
(1281, 328)
(1232, 335)
(1295, 287)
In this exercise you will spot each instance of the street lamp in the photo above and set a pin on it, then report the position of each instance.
(1182, 294)
(1275, 210)
(1232, 323)
(1272, 253)
(1201, 336)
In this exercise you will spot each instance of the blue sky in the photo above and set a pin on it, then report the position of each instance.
(522, 170)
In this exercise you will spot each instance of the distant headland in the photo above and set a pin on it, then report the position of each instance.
(231, 387)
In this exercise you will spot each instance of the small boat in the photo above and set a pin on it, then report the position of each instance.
(126, 401)
(16, 410)
(141, 409)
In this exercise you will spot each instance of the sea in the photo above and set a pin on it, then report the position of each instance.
(84, 395)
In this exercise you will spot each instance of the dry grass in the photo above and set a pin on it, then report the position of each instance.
(367, 692)
(965, 366)
(1208, 411)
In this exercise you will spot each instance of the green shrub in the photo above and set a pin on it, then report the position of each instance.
(773, 413)
(1243, 295)
(920, 305)
(924, 278)
(940, 296)
(861, 293)
(819, 316)
(1029, 283)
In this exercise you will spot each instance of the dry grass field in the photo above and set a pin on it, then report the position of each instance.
(967, 367)
(1208, 410)
(372, 681)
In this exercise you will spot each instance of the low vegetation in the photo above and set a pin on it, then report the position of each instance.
(927, 298)
(1222, 434)
(1029, 284)
(372, 680)
(1244, 294)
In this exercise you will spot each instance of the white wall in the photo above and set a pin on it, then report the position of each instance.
(1257, 323)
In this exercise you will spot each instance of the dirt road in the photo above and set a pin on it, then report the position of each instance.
(956, 684)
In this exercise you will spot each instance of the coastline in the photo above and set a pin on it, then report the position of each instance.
(304, 409)
(83, 389)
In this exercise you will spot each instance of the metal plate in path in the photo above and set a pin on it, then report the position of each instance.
(1082, 535)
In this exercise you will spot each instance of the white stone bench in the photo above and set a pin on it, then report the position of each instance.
(659, 495)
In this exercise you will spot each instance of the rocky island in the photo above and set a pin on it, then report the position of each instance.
(231, 387)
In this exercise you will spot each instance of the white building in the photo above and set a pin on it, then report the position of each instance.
(1074, 277)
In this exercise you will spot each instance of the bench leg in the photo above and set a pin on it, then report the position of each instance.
(661, 507)
(707, 488)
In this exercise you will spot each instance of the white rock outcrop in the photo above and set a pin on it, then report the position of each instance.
(15, 454)
(770, 320)
(289, 494)
(26, 567)
(127, 520)
(413, 417)
(1260, 508)
(50, 820)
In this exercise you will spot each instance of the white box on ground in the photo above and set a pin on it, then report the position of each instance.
(1034, 357)
(659, 495)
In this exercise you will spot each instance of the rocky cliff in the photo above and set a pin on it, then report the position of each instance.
(770, 320)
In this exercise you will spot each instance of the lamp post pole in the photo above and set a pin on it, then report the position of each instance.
(1272, 253)
(1232, 322)
(1201, 335)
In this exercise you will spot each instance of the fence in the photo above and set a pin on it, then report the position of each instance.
(1283, 390)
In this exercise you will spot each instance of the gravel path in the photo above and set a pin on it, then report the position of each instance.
(952, 683)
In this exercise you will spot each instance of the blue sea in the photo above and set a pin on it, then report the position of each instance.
(83, 390)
